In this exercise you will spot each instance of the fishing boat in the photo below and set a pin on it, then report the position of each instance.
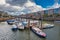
(38, 32)
(46, 25)
(14, 27)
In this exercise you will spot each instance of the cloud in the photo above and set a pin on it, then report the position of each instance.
(55, 5)
(4, 6)
(2, 2)
(17, 7)
(31, 7)
(8, 8)
(16, 2)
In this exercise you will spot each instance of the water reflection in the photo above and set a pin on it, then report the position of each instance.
(7, 34)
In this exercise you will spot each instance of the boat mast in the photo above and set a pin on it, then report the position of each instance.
(41, 21)
(56, 3)
(41, 15)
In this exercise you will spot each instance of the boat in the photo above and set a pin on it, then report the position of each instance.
(46, 25)
(14, 27)
(20, 26)
(25, 24)
(38, 32)
(10, 22)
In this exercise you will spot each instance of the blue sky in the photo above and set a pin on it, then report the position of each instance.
(45, 3)
(59, 2)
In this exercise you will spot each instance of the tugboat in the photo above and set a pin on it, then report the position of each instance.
(38, 32)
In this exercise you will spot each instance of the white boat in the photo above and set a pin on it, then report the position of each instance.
(14, 27)
(46, 25)
(38, 32)
(20, 26)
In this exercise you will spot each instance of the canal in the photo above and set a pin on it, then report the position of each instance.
(7, 34)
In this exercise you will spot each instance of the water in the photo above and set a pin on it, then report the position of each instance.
(7, 34)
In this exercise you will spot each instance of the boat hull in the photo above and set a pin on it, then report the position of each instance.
(21, 28)
(14, 29)
(48, 27)
(10, 23)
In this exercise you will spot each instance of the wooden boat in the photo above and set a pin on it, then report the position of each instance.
(38, 32)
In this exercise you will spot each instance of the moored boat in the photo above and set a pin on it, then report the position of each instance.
(20, 26)
(45, 26)
(14, 27)
(10, 22)
(38, 32)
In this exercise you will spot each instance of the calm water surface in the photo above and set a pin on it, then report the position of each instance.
(7, 34)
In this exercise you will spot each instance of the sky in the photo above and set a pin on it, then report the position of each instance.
(16, 7)
(47, 3)
(44, 3)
